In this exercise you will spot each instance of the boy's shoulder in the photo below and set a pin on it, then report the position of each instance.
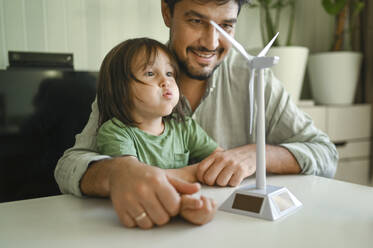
(113, 121)
(113, 124)
(186, 122)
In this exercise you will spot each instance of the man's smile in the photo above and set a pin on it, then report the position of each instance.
(202, 56)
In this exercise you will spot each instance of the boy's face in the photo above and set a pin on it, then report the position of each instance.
(199, 47)
(157, 94)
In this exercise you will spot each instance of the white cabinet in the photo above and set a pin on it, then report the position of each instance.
(349, 127)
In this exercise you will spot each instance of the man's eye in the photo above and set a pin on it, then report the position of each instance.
(227, 27)
(195, 21)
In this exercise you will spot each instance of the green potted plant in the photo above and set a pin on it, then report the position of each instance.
(334, 74)
(293, 59)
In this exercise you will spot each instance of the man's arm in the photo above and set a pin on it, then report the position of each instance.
(297, 146)
(76, 160)
(230, 167)
(133, 187)
(289, 127)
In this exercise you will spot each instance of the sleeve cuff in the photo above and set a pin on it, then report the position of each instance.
(70, 176)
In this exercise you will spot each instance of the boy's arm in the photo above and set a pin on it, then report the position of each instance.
(187, 173)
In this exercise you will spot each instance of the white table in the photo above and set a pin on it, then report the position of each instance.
(334, 214)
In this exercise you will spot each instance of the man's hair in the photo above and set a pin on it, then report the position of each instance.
(114, 94)
(171, 3)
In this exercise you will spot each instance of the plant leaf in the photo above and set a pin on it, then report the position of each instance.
(358, 7)
(333, 7)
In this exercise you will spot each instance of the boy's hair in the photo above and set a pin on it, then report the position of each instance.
(114, 94)
(171, 3)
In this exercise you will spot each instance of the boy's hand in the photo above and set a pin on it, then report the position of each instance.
(197, 211)
(187, 173)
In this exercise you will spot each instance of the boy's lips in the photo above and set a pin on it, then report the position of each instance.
(167, 94)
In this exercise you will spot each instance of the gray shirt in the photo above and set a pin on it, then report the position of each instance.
(224, 114)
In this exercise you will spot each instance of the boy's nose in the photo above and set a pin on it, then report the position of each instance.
(165, 82)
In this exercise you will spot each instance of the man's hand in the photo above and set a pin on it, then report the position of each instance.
(232, 166)
(142, 195)
(197, 211)
(228, 167)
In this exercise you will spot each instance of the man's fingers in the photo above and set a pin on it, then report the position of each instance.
(155, 210)
(225, 176)
(127, 220)
(169, 198)
(203, 167)
(213, 172)
(144, 222)
(168, 194)
(124, 216)
(236, 179)
(140, 216)
(184, 187)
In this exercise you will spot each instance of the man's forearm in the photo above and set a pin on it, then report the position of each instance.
(278, 159)
(281, 161)
(96, 180)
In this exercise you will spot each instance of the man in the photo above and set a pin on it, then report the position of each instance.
(214, 80)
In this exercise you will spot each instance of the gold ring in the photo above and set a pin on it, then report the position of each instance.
(141, 216)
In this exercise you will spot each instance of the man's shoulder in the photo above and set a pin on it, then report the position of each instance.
(233, 69)
(235, 60)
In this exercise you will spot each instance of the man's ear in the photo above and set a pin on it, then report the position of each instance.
(166, 13)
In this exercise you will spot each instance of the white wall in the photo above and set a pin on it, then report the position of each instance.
(90, 28)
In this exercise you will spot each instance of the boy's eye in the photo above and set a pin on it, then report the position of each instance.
(149, 73)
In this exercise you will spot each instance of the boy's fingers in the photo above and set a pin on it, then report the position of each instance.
(213, 203)
(190, 202)
(208, 204)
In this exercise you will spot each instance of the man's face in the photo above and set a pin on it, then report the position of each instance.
(199, 47)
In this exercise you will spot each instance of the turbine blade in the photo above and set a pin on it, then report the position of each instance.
(267, 47)
(251, 93)
(235, 43)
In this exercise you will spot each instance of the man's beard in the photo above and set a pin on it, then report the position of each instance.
(192, 73)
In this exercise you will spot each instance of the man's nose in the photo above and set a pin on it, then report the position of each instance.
(210, 38)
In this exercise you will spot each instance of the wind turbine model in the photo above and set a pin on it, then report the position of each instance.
(260, 200)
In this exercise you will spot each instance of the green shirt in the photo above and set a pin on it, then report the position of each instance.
(180, 144)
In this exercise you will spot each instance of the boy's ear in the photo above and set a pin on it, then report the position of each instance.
(166, 13)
